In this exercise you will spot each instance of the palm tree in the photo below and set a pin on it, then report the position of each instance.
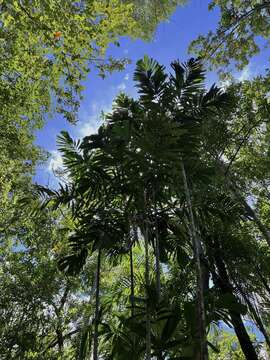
(98, 224)
(143, 170)
(184, 103)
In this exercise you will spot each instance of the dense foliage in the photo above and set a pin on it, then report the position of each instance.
(243, 31)
(47, 50)
(162, 174)
(157, 238)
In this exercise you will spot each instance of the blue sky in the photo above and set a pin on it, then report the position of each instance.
(170, 42)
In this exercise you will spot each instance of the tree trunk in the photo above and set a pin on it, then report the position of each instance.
(147, 284)
(131, 281)
(157, 261)
(263, 280)
(157, 253)
(236, 319)
(60, 340)
(205, 280)
(96, 322)
(263, 229)
(58, 312)
(260, 324)
(255, 315)
(243, 337)
(201, 351)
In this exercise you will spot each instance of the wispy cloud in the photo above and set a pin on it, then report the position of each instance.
(55, 162)
(90, 119)
(245, 74)
(88, 127)
(122, 86)
(55, 170)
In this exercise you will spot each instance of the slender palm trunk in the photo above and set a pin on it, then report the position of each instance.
(157, 258)
(243, 337)
(147, 284)
(131, 281)
(263, 280)
(59, 328)
(157, 252)
(96, 322)
(263, 229)
(255, 314)
(202, 352)
(205, 282)
(259, 323)
(236, 319)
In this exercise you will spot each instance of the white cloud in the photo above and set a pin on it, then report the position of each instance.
(122, 87)
(245, 74)
(87, 128)
(91, 119)
(55, 168)
(55, 162)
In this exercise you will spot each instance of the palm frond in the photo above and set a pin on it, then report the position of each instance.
(151, 79)
(188, 78)
(70, 151)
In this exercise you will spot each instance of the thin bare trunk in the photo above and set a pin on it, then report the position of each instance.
(233, 187)
(131, 281)
(58, 312)
(236, 319)
(201, 353)
(95, 342)
(255, 314)
(259, 323)
(263, 229)
(147, 284)
(157, 253)
(243, 337)
(263, 280)
(157, 258)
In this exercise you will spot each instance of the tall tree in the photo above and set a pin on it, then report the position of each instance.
(112, 177)
(241, 22)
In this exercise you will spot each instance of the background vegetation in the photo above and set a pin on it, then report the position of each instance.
(157, 236)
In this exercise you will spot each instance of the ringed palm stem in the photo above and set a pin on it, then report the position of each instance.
(236, 318)
(233, 187)
(254, 312)
(202, 353)
(263, 229)
(97, 301)
(157, 251)
(147, 284)
(131, 281)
